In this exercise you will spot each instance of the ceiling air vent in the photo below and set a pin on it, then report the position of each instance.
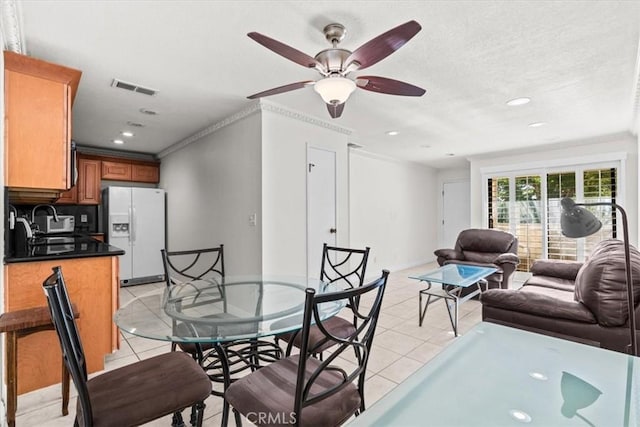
(133, 87)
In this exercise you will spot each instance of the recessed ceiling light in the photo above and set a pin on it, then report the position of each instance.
(425, 146)
(392, 132)
(127, 134)
(118, 141)
(536, 124)
(449, 154)
(135, 124)
(148, 112)
(518, 101)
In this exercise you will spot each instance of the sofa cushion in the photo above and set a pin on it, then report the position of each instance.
(552, 282)
(480, 257)
(556, 268)
(601, 282)
(539, 301)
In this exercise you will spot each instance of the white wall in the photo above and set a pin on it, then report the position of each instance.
(393, 211)
(213, 185)
(284, 188)
(596, 148)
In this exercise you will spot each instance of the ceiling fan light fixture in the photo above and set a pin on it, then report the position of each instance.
(335, 89)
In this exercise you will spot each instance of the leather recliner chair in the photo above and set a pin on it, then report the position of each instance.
(583, 302)
(486, 248)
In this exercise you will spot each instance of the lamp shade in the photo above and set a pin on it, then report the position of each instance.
(576, 221)
(335, 89)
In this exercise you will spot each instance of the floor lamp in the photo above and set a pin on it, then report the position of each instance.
(579, 222)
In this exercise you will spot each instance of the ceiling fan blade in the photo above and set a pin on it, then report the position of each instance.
(286, 51)
(384, 45)
(281, 89)
(335, 110)
(388, 86)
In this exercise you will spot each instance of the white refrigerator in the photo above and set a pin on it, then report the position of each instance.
(135, 222)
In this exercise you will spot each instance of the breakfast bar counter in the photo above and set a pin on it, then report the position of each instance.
(91, 271)
(63, 247)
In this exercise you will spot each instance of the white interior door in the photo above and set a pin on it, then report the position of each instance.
(456, 210)
(321, 205)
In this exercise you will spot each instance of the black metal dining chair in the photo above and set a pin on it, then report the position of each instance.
(131, 395)
(194, 266)
(345, 267)
(222, 361)
(302, 390)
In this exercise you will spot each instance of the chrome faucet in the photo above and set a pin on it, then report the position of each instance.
(53, 210)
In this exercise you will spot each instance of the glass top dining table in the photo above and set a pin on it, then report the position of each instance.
(232, 309)
(500, 376)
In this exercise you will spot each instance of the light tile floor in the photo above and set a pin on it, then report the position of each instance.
(400, 348)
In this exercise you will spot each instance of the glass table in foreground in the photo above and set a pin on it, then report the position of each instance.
(500, 376)
(452, 278)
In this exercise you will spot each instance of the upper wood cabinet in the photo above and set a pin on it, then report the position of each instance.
(89, 172)
(69, 197)
(87, 188)
(38, 100)
(116, 170)
(145, 173)
(130, 170)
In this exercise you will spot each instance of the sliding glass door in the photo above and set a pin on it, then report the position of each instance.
(528, 205)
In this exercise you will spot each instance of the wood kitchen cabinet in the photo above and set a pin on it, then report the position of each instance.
(145, 173)
(93, 287)
(87, 188)
(89, 173)
(116, 170)
(38, 100)
(130, 170)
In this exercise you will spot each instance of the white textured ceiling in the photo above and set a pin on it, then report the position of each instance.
(575, 60)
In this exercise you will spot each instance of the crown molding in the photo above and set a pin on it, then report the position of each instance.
(257, 106)
(296, 115)
(11, 28)
(252, 109)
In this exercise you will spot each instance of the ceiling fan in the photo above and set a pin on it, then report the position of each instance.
(334, 64)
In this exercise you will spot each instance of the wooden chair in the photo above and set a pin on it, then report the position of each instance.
(18, 324)
(347, 268)
(131, 395)
(302, 390)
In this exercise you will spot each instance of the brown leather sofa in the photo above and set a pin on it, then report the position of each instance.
(583, 302)
(487, 248)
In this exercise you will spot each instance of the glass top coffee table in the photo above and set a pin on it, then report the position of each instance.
(452, 278)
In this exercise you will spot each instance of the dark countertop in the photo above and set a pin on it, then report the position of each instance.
(69, 248)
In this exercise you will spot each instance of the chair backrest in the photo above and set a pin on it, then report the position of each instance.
(63, 320)
(344, 265)
(193, 265)
(359, 341)
(479, 240)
